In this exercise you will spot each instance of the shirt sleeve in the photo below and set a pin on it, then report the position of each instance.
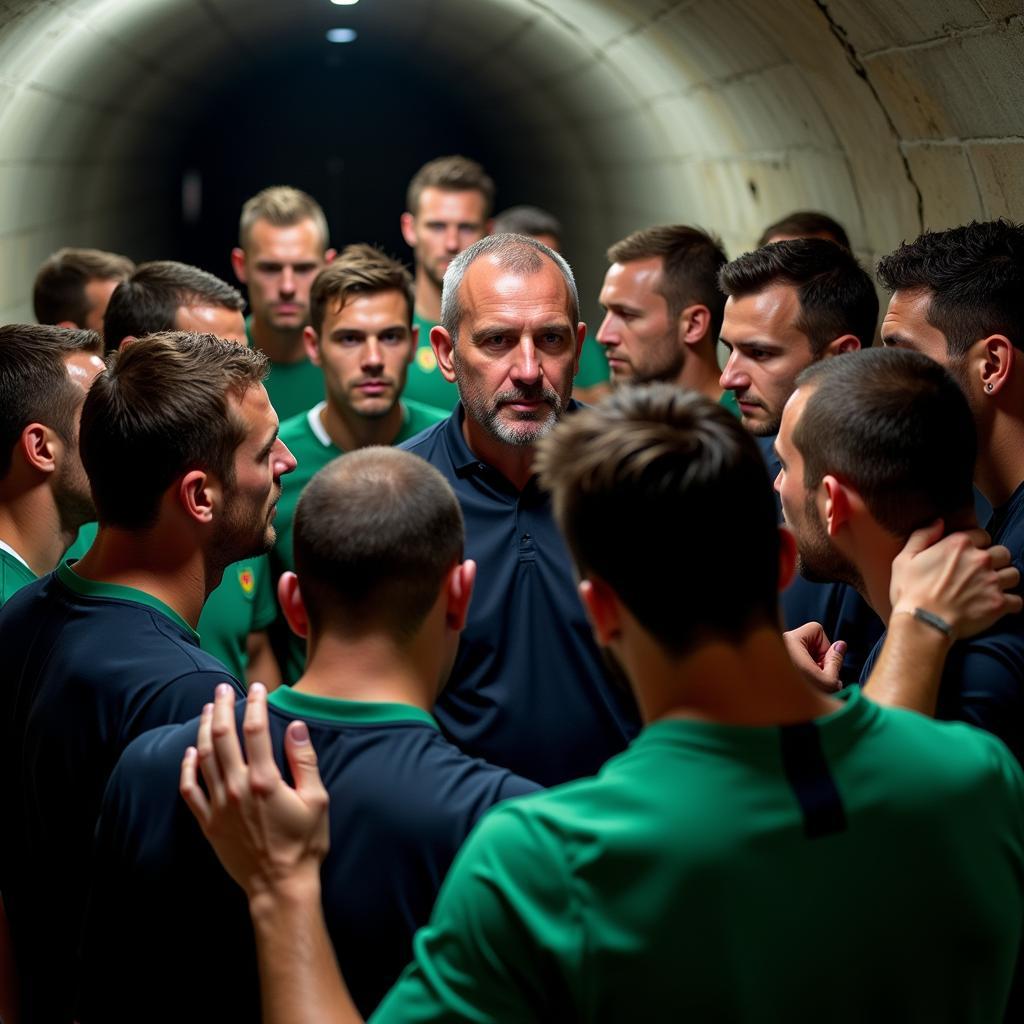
(503, 936)
(264, 603)
(984, 686)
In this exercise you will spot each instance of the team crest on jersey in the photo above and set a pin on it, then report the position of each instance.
(247, 580)
(426, 359)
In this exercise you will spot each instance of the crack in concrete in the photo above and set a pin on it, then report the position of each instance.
(861, 71)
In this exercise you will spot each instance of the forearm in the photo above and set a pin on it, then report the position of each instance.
(909, 668)
(300, 982)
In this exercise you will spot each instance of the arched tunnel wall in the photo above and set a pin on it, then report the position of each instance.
(889, 114)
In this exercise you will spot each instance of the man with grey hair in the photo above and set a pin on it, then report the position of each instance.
(529, 690)
(282, 246)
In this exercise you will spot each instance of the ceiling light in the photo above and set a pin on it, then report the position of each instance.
(341, 35)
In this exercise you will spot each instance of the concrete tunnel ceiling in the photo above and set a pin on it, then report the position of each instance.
(889, 114)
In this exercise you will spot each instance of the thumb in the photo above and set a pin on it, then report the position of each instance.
(302, 760)
(833, 661)
(923, 538)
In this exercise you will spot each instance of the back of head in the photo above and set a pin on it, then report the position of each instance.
(450, 174)
(895, 426)
(517, 254)
(692, 259)
(836, 294)
(59, 295)
(527, 220)
(160, 410)
(376, 532)
(34, 383)
(641, 484)
(806, 224)
(282, 207)
(975, 273)
(148, 301)
(360, 269)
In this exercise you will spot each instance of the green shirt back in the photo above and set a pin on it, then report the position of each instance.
(14, 574)
(720, 873)
(312, 447)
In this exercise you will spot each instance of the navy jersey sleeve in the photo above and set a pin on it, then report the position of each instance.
(982, 685)
(176, 700)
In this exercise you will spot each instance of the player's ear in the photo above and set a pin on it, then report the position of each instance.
(289, 597)
(602, 607)
(199, 494)
(460, 592)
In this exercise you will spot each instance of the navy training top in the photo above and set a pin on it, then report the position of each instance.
(842, 612)
(86, 668)
(163, 912)
(530, 690)
(983, 678)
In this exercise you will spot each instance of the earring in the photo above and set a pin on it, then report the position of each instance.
(988, 387)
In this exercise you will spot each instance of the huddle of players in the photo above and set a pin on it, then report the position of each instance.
(555, 907)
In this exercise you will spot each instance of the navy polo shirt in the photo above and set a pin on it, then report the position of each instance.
(842, 612)
(86, 668)
(530, 690)
(402, 799)
(983, 678)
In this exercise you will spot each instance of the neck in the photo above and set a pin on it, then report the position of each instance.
(30, 524)
(151, 561)
(702, 375)
(514, 462)
(752, 682)
(428, 298)
(369, 668)
(280, 346)
(349, 431)
(1000, 466)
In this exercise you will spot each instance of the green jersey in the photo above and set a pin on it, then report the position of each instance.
(717, 872)
(308, 440)
(728, 401)
(14, 573)
(243, 603)
(425, 383)
(292, 387)
(593, 365)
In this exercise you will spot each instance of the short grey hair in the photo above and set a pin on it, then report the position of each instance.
(519, 254)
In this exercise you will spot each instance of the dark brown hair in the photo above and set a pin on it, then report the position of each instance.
(34, 382)
(450, 174)
(664, 469)
(59, 290)
(160, 410)
(376, 531)
(359, 270)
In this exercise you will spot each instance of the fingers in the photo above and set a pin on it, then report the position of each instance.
(227, 750)
(923, 538)
(191, 791)
(832, 665)
(207, 756)
(263, 771)
(302, 762)
(1000, 556)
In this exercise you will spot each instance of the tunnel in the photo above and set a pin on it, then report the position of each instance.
(142, 125)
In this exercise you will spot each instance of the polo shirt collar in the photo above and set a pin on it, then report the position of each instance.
(98, 588)
(462, 458)
(345, 712)
(14, 554)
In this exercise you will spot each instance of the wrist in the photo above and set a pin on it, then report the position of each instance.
(924, 624)
(285, 898)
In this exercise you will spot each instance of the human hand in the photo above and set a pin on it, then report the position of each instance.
(269, 836)
(959, 578)
(817, 658)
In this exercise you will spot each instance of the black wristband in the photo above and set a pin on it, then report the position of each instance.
(933, 620)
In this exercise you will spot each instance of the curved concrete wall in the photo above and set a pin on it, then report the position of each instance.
(889, 114)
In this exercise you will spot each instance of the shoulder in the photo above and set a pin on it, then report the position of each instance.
(422, 415)
(427, 443)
